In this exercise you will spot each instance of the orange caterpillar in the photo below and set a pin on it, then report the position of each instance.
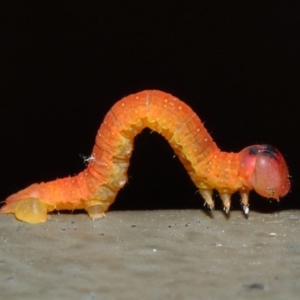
(258, 167)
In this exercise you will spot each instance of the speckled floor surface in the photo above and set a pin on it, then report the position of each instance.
(168, 254)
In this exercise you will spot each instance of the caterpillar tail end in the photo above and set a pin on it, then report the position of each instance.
(30, 210)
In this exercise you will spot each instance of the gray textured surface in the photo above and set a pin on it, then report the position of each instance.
(152, 255)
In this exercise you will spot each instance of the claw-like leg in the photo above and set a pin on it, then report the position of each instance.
(207, 196)
(226, 201)
(245, 201)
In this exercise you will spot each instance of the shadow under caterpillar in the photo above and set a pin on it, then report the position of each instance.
(258, 167)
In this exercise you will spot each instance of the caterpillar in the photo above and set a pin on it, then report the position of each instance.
(259, 167)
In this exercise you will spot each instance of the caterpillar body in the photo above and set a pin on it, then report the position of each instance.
(258, 167)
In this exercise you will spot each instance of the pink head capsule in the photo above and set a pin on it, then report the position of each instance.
(266, 171)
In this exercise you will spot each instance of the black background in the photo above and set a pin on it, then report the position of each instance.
(63, 65)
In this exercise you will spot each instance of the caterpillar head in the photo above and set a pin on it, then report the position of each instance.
(266, 171)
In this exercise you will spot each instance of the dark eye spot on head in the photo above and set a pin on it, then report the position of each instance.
(266, 150)
(269, 151)
(253, 150)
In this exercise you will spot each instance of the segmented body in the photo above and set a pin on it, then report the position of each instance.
(96, 187)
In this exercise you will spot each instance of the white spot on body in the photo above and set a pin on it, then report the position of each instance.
(91, 158)
(121, 182)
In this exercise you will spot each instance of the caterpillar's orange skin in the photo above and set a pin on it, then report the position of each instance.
(259, 167)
